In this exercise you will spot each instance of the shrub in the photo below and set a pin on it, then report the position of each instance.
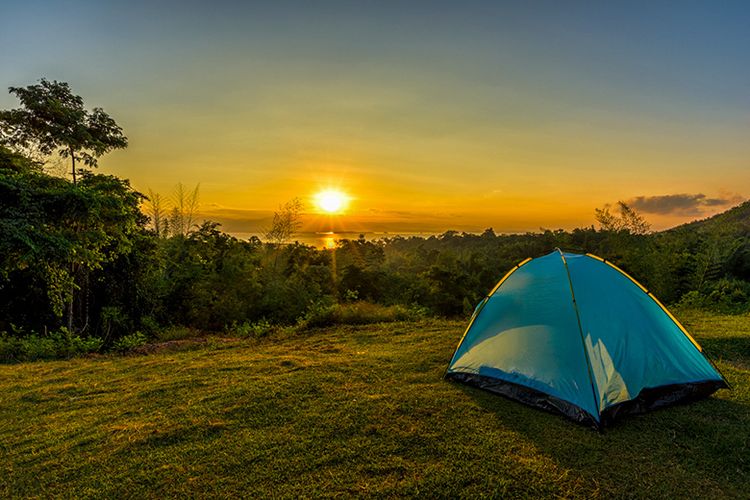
(73, 345)
(692, 300)
(34, 347)
(9, 348)
(250, 330)
(358, 313)
(149, 325)
(319, 315)
(56, 345)
(724, 295)
(129, 342)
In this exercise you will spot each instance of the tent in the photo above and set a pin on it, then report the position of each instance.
(577, 335)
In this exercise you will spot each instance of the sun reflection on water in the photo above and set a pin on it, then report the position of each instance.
(329, 242)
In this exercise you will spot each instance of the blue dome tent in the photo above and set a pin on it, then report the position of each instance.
(577, 335)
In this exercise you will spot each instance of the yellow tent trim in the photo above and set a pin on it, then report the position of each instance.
(471, 323)
(663, 308)
(623, 272)
(595, 257)
(507, 275)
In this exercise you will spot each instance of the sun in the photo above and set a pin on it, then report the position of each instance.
(331, 201)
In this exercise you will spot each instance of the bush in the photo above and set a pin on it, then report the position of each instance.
(149, 325)
(73, 345)
(692, 300)
(358, 313)
(250, 330)
(724, 295)
(129, 342)
(9, 348)
(34, 347)
(56, 345)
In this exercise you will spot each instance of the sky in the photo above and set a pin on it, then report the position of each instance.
(429, 115)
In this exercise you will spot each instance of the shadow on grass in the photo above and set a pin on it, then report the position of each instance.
(685, 450)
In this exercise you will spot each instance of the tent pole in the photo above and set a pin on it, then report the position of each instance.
(583, 341)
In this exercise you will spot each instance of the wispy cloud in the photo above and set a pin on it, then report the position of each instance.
(683, 204)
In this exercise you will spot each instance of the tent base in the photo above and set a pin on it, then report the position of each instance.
(647, 400)
(658, 397)
(526, 395)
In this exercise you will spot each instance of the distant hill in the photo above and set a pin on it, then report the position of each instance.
(735, 220)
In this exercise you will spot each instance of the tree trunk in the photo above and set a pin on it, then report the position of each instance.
(73, 159)
(72, 266)
(87, 300)
(70, 301)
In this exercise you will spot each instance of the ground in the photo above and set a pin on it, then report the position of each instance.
(350, 411)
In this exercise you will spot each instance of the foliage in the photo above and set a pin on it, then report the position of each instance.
(91, 239)
(175, 216)
(260, 328)
(157, 213)
(286, 222)
(724, 295)
(184, 208)
(80, 256)
(129, 342)
(358, 313)
(34, 347)
(60, 239)
(52, 119)
(627, 220)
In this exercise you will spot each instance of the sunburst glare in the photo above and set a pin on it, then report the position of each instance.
(331, 201)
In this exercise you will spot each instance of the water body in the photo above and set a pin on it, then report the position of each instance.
(329, 239)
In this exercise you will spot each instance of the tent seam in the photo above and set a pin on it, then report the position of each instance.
(583, 341)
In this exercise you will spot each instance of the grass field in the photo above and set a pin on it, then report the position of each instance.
(349, 411)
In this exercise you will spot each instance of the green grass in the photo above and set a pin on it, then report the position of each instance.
(347, 411)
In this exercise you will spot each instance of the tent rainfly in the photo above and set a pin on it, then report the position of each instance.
(575, 334)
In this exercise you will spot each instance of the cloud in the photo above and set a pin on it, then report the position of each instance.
(683, 204)
(494, 193)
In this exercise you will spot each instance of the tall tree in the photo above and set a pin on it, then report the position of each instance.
(52, 119)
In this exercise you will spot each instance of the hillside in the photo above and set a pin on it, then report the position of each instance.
(736, 219)
(345, 411)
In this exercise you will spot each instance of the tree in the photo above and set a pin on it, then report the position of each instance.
(174, 216)
(184, 209)
(286, 222)
(52, 119)
(157, 213)
(628, 219)
(57, 241)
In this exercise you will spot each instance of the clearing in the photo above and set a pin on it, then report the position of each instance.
(350, 411)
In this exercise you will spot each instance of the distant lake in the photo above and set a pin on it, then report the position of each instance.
(329, 239)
